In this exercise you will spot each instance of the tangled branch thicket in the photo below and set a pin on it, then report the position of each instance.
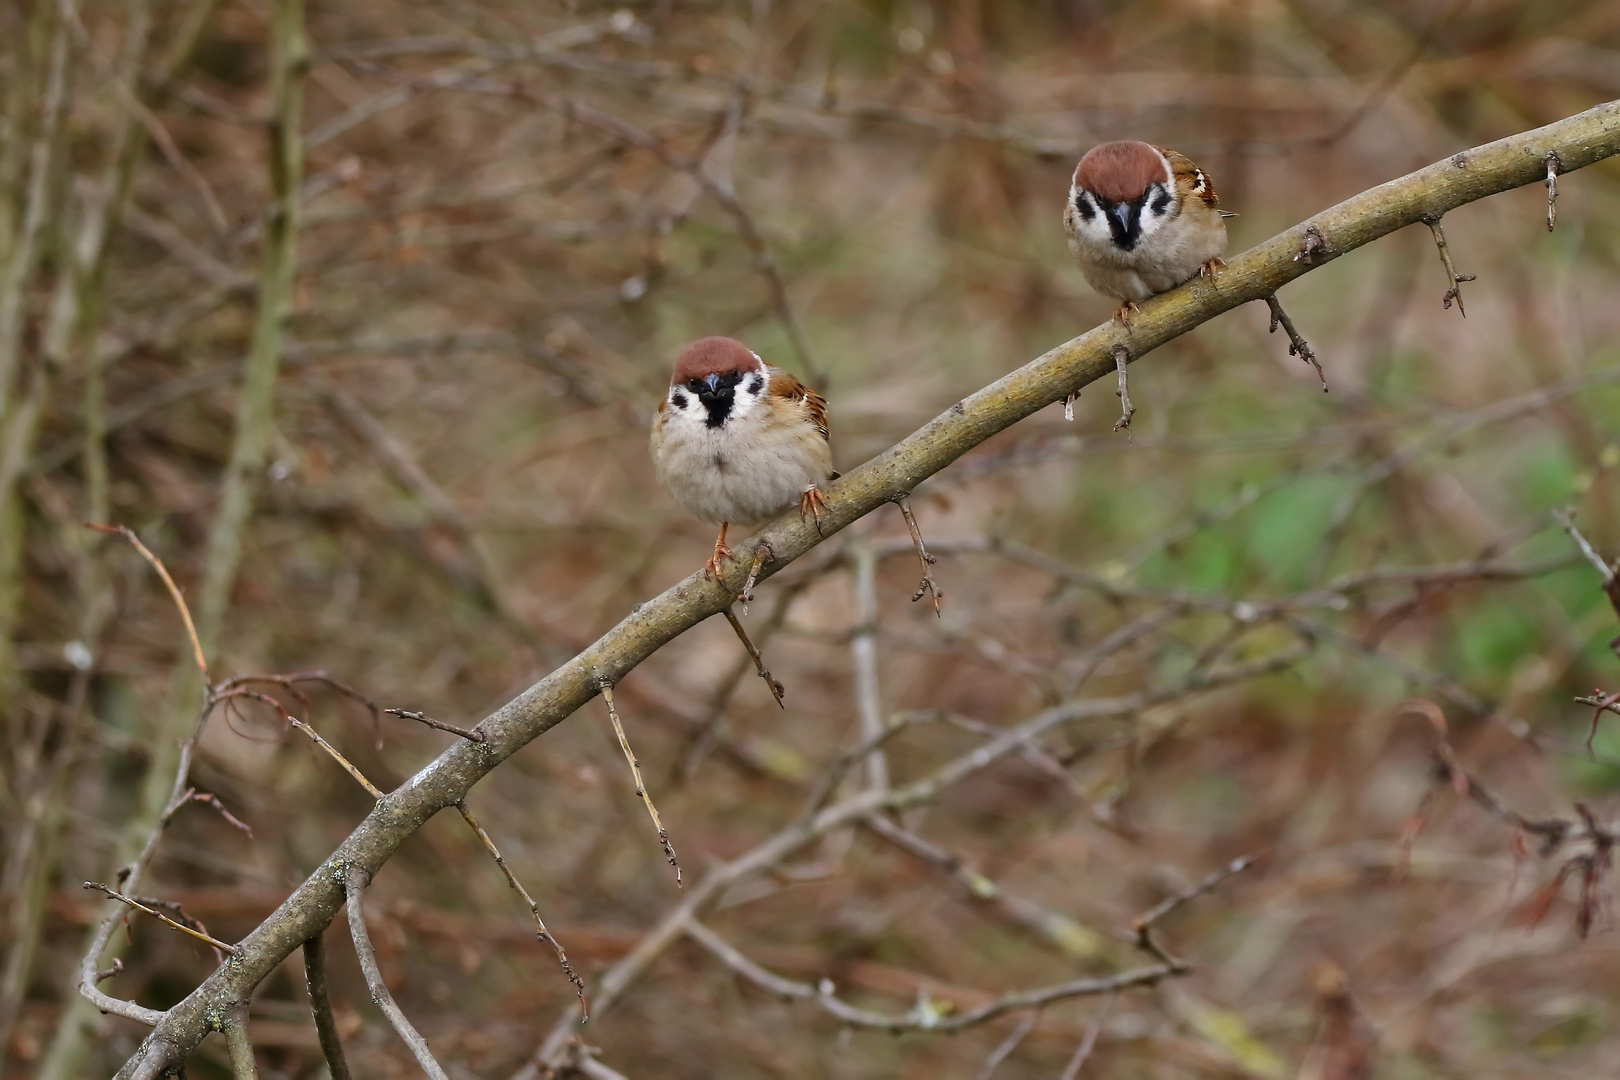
(1266, 736)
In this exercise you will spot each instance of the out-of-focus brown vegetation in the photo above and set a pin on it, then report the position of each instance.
(510, 215)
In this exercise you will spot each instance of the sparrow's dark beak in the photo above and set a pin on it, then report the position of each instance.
(712, 380)
(1122, 211)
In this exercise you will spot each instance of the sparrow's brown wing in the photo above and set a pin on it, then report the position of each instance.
(1194, 179)
(786, 386)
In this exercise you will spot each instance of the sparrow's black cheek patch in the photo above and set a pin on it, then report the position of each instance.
(1161, 201)
(756, 384)
(679, 399)
(1082, 206)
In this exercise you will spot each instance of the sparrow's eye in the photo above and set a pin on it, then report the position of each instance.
(1161, 200)
(756, 384)
(694, 385)
(679, 399)
(1083, 207)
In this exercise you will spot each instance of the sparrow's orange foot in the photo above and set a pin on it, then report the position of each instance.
(1123, 315)
(1211, 268)
(712, 568)
(812, 503)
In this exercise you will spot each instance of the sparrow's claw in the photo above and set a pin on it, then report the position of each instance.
(1123, 315)
(1211, 267)
(812, 502)
(712, 568)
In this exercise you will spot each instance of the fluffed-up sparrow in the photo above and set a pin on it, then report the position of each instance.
(1142, 220)
(737, 440)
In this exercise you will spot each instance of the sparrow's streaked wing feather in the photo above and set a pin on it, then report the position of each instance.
(784, 385)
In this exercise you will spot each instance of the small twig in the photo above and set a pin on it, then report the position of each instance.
(1454, 292)
(422, 718)
(355, 885)
(320, 1003)
(534, 908)
(240, 1048)
(928, 585)
(1566, 519)
(1083, 1051)
(1297, 345)
(1553, 165)
(776, 688)
(1122, 356)
(293, 721)
(211, 942)
(174, 590)
(635, 772)
(1610, 575)
(1599, 701)
(117, 969)
(1005, 1048)
(1144, 923)
(762, 554)
(213, 800)
(925, 1016)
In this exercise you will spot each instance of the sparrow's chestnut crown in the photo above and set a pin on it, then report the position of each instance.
(1128, 185)
(712, 370)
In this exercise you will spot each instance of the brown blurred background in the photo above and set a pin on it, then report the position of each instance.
(510, 215)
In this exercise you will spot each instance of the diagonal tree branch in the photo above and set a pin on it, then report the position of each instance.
(1466, 177)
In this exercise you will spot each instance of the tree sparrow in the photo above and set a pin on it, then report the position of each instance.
(737, 440)
(1141, 220)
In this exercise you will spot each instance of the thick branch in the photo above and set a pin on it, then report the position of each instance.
(1467, 177)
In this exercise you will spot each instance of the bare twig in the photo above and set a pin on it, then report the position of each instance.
(1143, 925)
(168, 582)
(1005, 1048)
(422, 718)
(778, 691)
(762, 555)
(863, 657)
(209, 799)
(1455, 280)
(927, 585)
(173, 924)
(1089, 1043)
(1552, 188)
(544, 935)
(1566, 521)
(314, 736)
(1297, 345)
(606, 690)
(926, 1015)
(354, 884)
(320, 1004)
(1122, 356)
(237, 1043)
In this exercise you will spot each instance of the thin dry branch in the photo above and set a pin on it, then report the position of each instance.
(240, 1047)
(1552, 189)
(778, 691)
(641, 787)
(1297, 345)
(168, 583)
(320, 1004)
(1454, 289)
(1516, 161)
(423, 718)
(546, 937)
(173, 924)
(1122, 357)
(354, 885)
(927, 585)
(925, 1015)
